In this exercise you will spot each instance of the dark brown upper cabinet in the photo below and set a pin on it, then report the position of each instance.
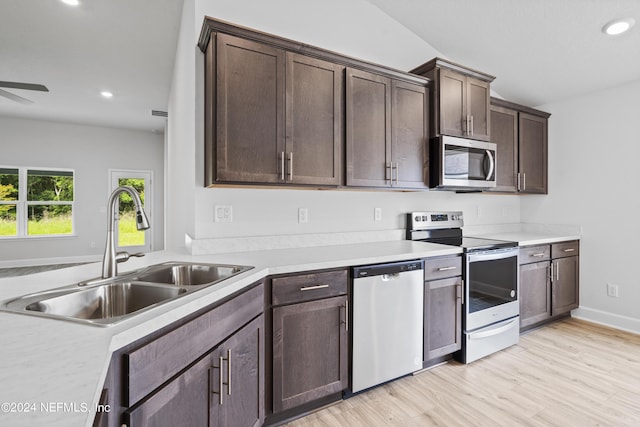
(521, 135)
(460, 105)
(278, 114)
(250, 111)
(314, 117)
(386, 131)
(275, 114)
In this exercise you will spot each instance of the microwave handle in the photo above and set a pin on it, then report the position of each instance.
(491, 165)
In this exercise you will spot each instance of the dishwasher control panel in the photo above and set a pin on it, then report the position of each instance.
(382, 269)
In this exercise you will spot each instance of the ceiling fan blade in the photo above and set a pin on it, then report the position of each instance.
(25, 86)
(16, 98)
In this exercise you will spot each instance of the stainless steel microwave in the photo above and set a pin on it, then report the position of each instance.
(459, 163)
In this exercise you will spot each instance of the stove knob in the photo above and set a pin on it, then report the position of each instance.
(416, 219)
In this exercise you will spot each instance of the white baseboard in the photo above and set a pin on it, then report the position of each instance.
(624, 323)
(30, 262)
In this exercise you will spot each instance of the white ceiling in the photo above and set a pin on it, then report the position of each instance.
(540, 51)
(123, 46)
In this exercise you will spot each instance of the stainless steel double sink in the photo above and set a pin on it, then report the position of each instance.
(104, 302)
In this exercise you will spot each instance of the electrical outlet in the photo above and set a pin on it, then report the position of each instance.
(223, 213)
(303, 215)
(612, 290)
(478, 211)
(377, 214)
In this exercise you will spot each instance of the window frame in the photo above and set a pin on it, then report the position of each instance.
(22, 203)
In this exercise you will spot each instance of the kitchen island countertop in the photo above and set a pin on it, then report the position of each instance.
(52, 371)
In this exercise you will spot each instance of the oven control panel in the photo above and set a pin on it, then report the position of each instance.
(433, 220)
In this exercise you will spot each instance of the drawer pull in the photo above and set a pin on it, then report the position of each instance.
(540, 255)
(312, 288)
(569, 250)
(447, 268)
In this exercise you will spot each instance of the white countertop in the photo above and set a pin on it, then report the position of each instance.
(52, 371)
(526, 238)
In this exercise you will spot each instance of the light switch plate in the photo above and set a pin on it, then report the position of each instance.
(377, 214)
(303, 215)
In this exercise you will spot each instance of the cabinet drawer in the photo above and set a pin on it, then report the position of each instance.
(440, 268)
(307, 287)
(565, 249)
(530, 254)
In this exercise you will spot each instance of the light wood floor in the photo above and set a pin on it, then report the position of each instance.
(570, 373)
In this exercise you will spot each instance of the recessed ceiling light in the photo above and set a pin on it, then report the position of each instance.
(71, 2)
(618, 26)
(106, 94)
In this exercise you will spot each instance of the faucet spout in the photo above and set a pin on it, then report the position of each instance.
(110, 258)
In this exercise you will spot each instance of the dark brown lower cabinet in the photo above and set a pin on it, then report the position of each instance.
(549, 288)
(443, 317)
(565, 285)
(224, 388)
(309, 351)
(535, 293)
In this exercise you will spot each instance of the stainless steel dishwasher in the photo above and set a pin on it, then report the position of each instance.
(387, 328)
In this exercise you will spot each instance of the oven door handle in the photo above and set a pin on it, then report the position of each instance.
(495, 331)
(492, 165)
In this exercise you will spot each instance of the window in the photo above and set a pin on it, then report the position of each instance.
(128, 237)
(36, 202)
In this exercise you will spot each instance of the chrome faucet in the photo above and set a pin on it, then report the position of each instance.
(111, 258)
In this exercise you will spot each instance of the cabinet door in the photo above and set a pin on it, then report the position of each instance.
(565, 295)
(443, 317)
(249, 110)
(535, 293)
(504, 133)
(478, 96)
(533, 153)
(368, 129)
(182, 402)
(309, 351)
(409, 149)
(238, 394)
(452, 102)
(314, 121)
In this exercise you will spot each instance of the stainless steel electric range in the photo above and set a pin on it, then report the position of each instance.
(491, 282)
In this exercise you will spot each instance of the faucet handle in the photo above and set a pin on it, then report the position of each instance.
(124, 256)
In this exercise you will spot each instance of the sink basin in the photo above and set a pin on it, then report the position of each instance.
(105, 303)
(188, 274)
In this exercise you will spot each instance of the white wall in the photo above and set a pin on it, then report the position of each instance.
(593, 179)
(351, 27)
(90, 151)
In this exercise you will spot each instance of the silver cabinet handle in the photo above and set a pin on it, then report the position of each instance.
(518, 183)
(397, 172)
(346, 315)
(446, 268)
(471, 125)
(557, 271)
(290, 171)
(282, 166)
(312, 288)
(228, 373)
(220, 381)
(492, 165)
(539, 255)
(569, 250)
(524, 181)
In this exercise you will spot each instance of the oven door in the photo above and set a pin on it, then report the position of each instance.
(492, 287)
(464, 163)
